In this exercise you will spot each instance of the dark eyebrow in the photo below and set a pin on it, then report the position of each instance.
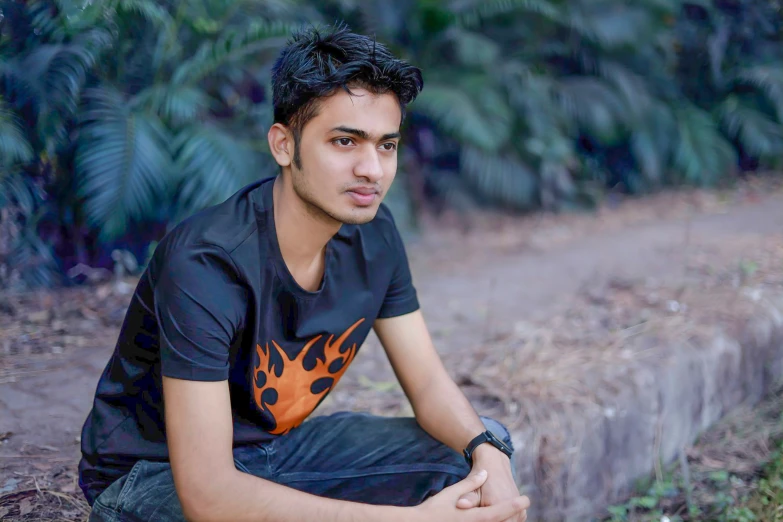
(363, 134)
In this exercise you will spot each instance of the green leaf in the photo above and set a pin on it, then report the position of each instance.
(653, 140)
(29, 257)
(767, 78)
(14, 147)
(758, 134)
(15, 189)
(618, 511)
(463, 116)
(175, 103)
(233, 46)
(474, 49)
(502, 178)
(212, 165)
(645, 502)
(122, 162)
(594, 105)
(631, 87)
(471, 13)
(150, 10)
(702, 155)
(609, 24)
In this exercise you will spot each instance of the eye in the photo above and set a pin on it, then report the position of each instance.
(344, 142)
(389, 146)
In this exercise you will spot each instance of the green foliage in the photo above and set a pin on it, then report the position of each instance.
(145, 110)
(123, 160)
(14, 147)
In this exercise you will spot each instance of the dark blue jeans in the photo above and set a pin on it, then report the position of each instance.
(347, 456)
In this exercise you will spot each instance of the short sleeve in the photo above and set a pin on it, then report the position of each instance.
(401, 297)
(200, 306)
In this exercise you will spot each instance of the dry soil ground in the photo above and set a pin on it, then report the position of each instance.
(583, 275)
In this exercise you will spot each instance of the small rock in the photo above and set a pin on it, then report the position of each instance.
(597, 296)
(57, 349)
(40, 317)
(7, 308)
(621, 283)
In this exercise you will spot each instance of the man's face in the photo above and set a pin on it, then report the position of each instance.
(348, 155)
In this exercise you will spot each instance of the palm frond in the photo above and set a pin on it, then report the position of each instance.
(178, 104)
(56, 73)
(384, 19)
(231, 47)
(609, 24)
(474, 49)
(767, 78)
(471, 13)
(16, 189)
(14, 147)
(122, 162)
(462, 115)
(75, 17)
(703, 155)
(653, 141)
(593, 104)
(34, 260)
(212, 165)
(30, 259)
(502, 178)
(759, 135)
(632, 87)
(150, 10)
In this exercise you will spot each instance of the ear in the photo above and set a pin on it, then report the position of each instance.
(281, 144)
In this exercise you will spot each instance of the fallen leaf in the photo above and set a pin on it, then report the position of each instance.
(25, 507)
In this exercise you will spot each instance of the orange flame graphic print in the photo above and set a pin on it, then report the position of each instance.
(292, 382)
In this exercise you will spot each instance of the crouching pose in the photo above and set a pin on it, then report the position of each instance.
(250, 312)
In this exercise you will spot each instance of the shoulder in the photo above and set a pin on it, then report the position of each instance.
(209, 238)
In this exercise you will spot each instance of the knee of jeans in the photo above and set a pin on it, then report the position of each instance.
(498, 429)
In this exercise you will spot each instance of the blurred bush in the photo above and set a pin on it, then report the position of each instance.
(119, 118)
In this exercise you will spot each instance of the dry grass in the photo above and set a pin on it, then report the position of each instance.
(533, 374)
(43, 504)
(722, 478)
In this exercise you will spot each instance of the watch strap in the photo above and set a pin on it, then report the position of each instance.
(480, 439)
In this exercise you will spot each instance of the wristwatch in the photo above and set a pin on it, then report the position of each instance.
(487, 436)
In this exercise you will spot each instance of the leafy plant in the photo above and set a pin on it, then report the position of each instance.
(120, 114)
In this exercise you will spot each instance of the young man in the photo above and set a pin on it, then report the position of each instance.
(251, 311)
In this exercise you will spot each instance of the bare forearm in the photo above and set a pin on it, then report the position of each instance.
(241, 497)
(444, 412)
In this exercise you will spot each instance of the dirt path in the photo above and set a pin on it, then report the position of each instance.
(472, 288)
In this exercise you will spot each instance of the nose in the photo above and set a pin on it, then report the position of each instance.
(369, 166)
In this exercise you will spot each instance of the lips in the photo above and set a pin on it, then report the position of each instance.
(363, 196)
(365, 191)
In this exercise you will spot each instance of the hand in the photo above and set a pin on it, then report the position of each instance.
(499, 486)
(443, 506)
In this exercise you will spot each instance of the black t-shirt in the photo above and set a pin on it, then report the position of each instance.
(217, 302)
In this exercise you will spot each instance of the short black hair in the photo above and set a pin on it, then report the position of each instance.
(316, 62)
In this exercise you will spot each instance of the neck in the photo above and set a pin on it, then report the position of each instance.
(302, 232)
